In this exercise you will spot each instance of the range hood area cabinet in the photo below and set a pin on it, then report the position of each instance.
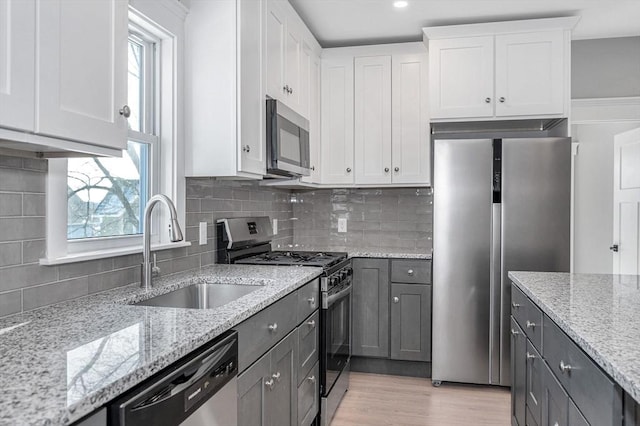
(375, 118)
(500, 70)
(233, 51)
(63, 77)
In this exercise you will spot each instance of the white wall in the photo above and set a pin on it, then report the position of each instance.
(593, 218)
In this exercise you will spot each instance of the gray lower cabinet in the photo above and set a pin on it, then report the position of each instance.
(309, 396)
(410, 322)
(518, 374)
(370, 301)
(555, 402)
(267, 391)
(535, 369)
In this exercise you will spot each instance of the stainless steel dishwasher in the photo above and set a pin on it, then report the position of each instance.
(200, 389)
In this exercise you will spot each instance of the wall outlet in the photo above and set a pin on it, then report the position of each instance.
(275, 226)
(342, 224)
(202, 239)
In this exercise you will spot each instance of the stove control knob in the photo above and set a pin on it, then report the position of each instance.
(349, 271)
(332, 281)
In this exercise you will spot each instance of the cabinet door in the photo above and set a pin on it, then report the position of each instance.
(535, 368)
(253, 384)
(314, 121)
(575, 416)
(17, 63)
(304, 91)
(555, 402)
(411, 142)
(337, 121)
(411, 322)
(461, 77)
(251, 104)
(281, 402)
(372, 119)
(518, 374)
(274, 56)
(371, 307)
(82, 70)
(530, 73)
(292, 62)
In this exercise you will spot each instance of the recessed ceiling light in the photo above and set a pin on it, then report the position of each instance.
(400, 3)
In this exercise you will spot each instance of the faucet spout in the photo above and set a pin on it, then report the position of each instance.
(175, 235)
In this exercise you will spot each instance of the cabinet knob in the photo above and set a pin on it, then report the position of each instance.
(531, 324)
(313, 168)
(312, 301)
(502, 99)
(487, 100)
(530, 356)
(386, 170)
(125, 111)
(273, 327)
(515, 305)
(614, 248)
(286, 88)
(514, 332)
(290, 90)
(312, 379)
(396, 299)
(564, 368)
(269, 383)
(246, 148)
(410, 272)
(311, 324)
(396, 169)
(276, 376)
(348, 169)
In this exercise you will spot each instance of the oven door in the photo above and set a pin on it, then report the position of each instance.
(287, 141)
(336, 336)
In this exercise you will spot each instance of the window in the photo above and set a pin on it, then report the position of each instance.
(106, 196)
(95, 206)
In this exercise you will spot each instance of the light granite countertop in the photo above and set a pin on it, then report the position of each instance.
(388, 255)
(601, 313)
(61, 362)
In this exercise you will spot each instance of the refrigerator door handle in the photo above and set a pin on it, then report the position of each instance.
(495, 294)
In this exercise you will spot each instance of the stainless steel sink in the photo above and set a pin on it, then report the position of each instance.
(200, 296)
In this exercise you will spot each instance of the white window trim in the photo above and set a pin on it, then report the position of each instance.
(168, 26)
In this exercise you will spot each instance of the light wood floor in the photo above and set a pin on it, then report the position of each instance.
(375, 399)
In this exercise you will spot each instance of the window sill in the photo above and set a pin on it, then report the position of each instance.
(102, 254)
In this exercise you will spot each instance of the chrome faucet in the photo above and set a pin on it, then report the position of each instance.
(175, 235)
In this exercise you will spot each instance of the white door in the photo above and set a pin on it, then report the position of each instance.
(530, 73)
(626, 203)
(274, 57)
(304, 91)
(372, 119)
(461, 77)
(314, 121)
(411, 141)
(82, 70)
(292, 59)
(337, 121)
(17, 63)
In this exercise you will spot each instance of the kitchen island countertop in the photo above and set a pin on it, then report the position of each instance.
(600, 313)
(62, 362)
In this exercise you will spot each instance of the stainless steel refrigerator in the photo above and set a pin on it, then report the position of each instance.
(499, 205)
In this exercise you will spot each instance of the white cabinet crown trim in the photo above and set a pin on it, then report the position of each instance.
(605, 110)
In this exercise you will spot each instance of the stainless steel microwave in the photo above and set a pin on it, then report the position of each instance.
(287, 141)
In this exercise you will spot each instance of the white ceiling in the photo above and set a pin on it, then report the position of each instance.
(355, 22)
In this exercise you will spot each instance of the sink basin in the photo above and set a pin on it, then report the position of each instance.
(200, 296)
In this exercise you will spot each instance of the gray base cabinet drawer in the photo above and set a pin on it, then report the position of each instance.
(309, 397)
(595, 394)
(308, 344)
(263, 330)
(411, 271)
(308, 299)
(528, 315)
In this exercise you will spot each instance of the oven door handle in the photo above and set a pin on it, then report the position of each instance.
(328, 300)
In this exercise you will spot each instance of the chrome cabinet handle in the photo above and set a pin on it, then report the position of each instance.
(290, 90)
(487, 100)
(614, 248)
(396, 299)
(514, 332)
(396, 169)
(348, 169)
(313, 168)
(125, 111)
(276, 376)
(286, 88)
(502, 99)
(269, 383)
(530, 324)
(312, 301)
(386, 170)
(246, 148)
(530, 356)
(565, 368)
(515, 305)
(273, 327)
(312, 379)
(311, 323)
(410, 272)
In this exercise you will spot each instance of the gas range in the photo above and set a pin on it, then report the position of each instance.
(325, 260)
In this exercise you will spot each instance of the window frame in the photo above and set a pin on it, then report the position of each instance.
(166, 155)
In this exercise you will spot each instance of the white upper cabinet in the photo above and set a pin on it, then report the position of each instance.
(288, 45)
(17, 64)
(314, 120)
(337, 120)
(63, 71)
(82, 57)
(503, 70)
(372, 119)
